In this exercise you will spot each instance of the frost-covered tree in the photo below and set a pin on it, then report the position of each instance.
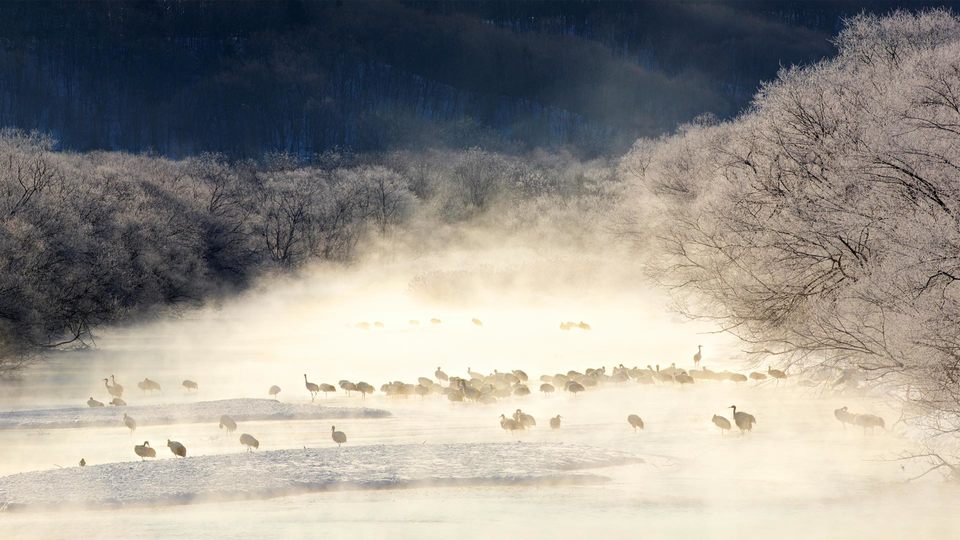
(87, 239)
(823, 225)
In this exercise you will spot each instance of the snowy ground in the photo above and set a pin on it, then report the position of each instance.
(284, 472)
(241, 410)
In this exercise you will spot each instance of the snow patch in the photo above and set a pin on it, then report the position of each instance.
(241, 410)
(287, 472)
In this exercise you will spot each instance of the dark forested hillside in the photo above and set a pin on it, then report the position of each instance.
(244, 78)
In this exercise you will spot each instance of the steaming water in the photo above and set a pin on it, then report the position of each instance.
(799, 475)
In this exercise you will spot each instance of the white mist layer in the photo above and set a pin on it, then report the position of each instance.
(800, 474)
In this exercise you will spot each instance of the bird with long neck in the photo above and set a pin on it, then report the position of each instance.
(113, 390)
(697, 357)
(311, 387)
(743, 420)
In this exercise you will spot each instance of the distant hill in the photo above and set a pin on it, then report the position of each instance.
(244, 78)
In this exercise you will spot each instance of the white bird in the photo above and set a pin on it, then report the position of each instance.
(144, 451)
(721, 423)
(249, 441)
(311, 387)
(148, 386)
(364, 388)
(274, 390)
(116, 387)
(228, 423)
(509, 424)
(327, 388)
(843, 416)
(94, 403)
(521, 390)
(177, 448)
(348, 387)
(574, 387)
(112, 390)
(338, 437)
(525, 419)
(776, 373)
(130, 422)
(743, 420)
(869, 421)
(737, 377)
(635, 422)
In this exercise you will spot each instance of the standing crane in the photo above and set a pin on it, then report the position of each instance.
(327, 388)
(144, 451)
(114, 391)
(249, 441)
(177, 448)
(130, 423)
(311, 387)
(744, 421)
(338, 437)
(228, 423)
(721, 423)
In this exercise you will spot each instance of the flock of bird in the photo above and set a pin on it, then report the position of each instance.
(178, 449)
(565, 325)
(489, 388)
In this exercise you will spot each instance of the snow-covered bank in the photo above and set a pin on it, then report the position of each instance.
(286, 472)
(240, 410)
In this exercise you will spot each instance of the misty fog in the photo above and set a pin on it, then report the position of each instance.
(798, 463)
